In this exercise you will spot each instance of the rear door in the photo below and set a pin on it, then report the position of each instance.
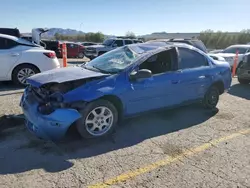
(195, 73)
(10, 52)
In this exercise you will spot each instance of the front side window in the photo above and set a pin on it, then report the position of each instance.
(113, 61)
(158, 63)
(191, 59)
(108, 42)
(7, 43)
(128, 42)
(119, 43)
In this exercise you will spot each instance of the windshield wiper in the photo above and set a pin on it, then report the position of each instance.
(102, 71)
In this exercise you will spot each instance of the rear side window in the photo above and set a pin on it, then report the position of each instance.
(119, 42)
(7, 43)
(191, 59)
(128, 42)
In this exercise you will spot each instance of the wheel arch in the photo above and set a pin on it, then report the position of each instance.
(30, 64)
(219, 85)
(117, 102)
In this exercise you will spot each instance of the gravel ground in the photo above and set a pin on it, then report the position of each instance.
(185, 147)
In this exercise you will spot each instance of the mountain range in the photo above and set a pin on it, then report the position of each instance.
(52, 31)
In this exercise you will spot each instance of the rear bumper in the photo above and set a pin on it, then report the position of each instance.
(47, 127)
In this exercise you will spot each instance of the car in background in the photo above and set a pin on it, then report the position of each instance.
(53, 45)
(230, 52)
(88, 43)
(121, 83)
(10, 31)
(74, 50)
(215, 51)
(217, 57)
(243, 71)
(193, 42)
(21, 59)
(109, 44)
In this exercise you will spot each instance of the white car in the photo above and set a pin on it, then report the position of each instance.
(230, 52)
(20, 59)
(217, 57)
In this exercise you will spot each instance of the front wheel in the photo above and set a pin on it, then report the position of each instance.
(211, 98)
(243, 81)
(99, 118)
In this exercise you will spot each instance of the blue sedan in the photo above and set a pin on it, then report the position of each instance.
(123, 82)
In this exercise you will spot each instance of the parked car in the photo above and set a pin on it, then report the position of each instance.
(217, 57)
(121, 83)
(243, 72)
(193, 42)
(216, 51)
(74, 50)
(20, 59)
(230, 52)
(88, 43)
(109, 44)
(53, 45)
(10, 31)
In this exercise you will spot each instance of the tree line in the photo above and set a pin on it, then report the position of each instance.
(221, 40)
(212, 39)
(88, 37)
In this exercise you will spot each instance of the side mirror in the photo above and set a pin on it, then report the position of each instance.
(114, 45)
(141, 74)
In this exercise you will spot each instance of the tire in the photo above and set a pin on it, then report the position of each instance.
(211, 98)
(243, 81)
(19, 70)
(88, 130)
(100, 53)
(81, 55)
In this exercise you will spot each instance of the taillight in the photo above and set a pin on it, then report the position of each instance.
(50, 54)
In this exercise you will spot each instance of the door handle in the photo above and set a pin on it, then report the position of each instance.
(14, 54)
(175, 81)
(204, 76)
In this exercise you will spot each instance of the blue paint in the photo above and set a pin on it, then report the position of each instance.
(161, 90)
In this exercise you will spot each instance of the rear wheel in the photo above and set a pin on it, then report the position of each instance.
(99, 118)
(22, 72)
(243, 81)
(211, 98)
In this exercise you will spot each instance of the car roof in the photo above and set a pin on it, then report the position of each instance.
(9, 37)
(240, 45)
(156, 46)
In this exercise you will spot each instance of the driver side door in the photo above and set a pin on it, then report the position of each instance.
(157, 91)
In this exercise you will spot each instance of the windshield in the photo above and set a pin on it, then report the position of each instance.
(26, 42)
(233, 50)
(113, 61)
(108, 42)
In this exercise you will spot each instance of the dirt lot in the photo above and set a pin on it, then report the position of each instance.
(185, 147)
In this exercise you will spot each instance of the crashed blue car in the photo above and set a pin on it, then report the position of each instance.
(123, 82)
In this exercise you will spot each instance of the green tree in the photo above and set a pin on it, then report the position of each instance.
(130, 34)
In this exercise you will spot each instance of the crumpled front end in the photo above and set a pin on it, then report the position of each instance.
(45, 119)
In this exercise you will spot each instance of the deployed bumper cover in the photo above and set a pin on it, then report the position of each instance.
(47, 127)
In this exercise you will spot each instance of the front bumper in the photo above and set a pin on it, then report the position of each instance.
(47, 127)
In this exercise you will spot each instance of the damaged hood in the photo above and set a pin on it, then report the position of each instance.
(62, 75)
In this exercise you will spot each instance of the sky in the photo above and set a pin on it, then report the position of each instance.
(116, 17)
